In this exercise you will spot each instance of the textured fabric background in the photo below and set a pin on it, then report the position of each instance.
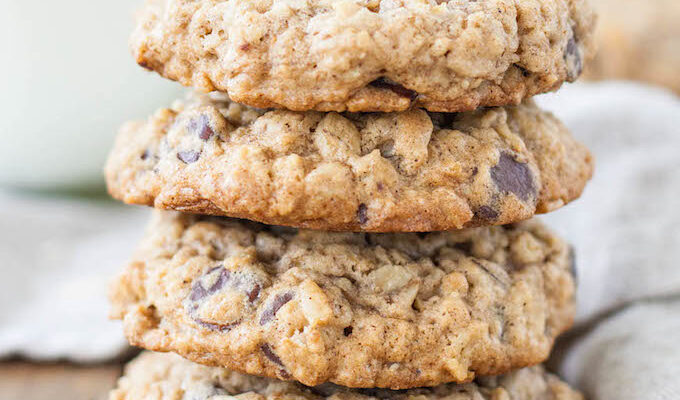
(56, 258)
(58, 255)
(626, 229)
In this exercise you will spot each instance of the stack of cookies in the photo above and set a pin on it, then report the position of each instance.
(348, 213)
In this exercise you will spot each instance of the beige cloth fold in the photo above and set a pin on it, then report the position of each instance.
(631, 355)
(626, 230)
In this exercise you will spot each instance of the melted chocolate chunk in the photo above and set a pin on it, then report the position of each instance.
(201, 126)
(198, 291)
(384, 83)
(279, 301)
(217, 327)
(254, 293)
(269, 353)
(486, 213)
(189, 157)
(515, 177)
(225, 278)
(362, 213)
(348, 330)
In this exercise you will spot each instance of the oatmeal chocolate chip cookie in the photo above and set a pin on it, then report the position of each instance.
(367, 55)
(638, 40)
(154, 376)
(408, 171)
(356, 309)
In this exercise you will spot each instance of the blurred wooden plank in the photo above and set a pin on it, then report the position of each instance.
(25, 381)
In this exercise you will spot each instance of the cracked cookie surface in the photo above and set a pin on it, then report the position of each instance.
(356, 309)
(367, 55)
(153, 376)
(409, 171)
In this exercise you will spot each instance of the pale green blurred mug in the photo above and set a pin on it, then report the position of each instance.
(67, 83)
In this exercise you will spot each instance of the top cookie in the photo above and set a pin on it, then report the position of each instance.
(367, 55)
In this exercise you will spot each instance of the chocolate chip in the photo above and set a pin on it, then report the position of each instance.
(384, 83)
(198, 291)
(217, 327)
(269, 353)
(486, 213)
(189, 157)
(573, 59)
(254, 293)
(515, 177)
(225, 278)
(279, 301)
(145, 65)
(201, 126)
(362, 213)
(222, 280)
(347, 331)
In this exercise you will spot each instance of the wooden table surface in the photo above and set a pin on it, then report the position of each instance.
(23, 381)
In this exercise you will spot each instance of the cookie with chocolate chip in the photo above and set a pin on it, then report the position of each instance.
(154, 376)
(356, 309)
(367, 55)
(379, 172)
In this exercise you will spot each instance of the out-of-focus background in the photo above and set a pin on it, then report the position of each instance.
(68, 82)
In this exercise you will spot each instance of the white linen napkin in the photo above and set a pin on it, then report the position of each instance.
(626, 230)
(626, 226)
(56, 258)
